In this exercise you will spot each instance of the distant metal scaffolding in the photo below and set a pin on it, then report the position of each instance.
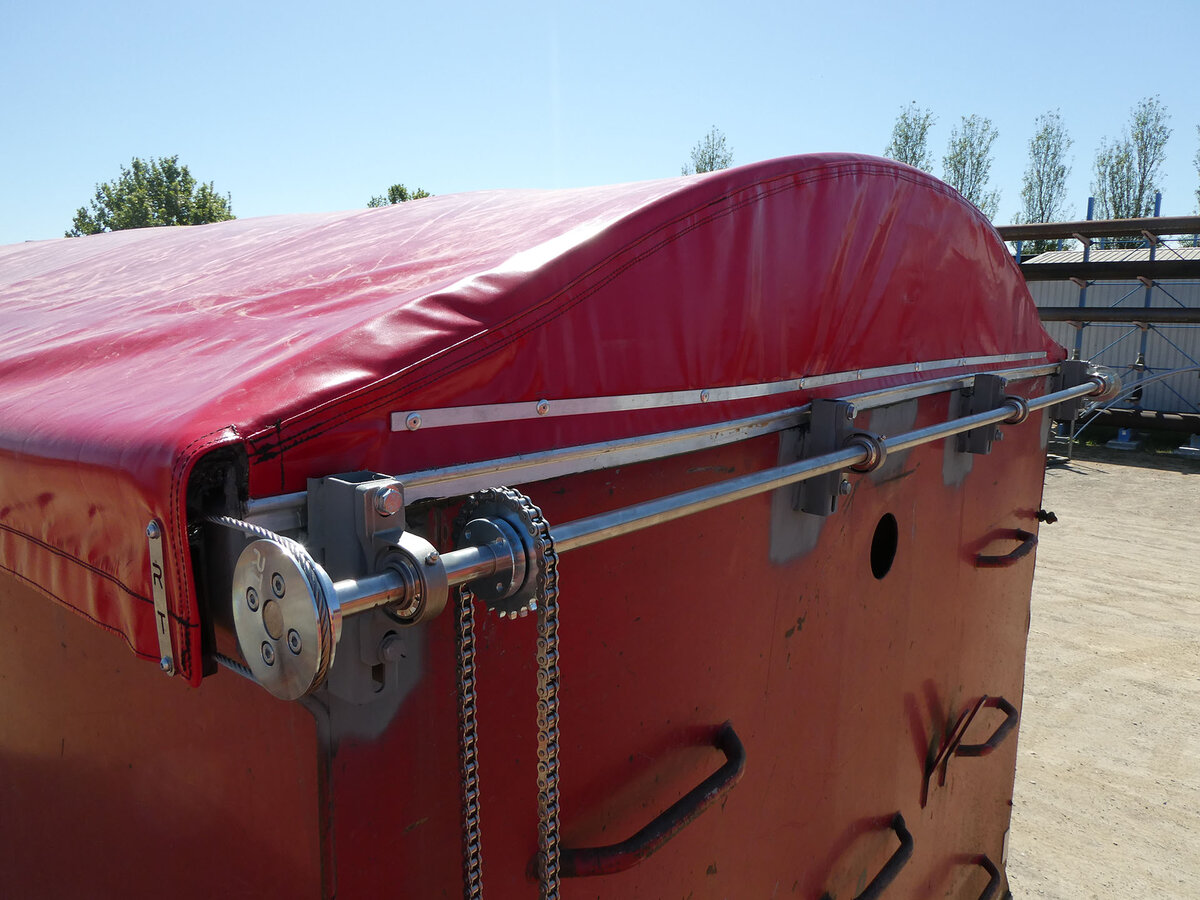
(1094, 293)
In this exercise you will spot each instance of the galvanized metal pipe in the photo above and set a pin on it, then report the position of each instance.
(287, 512)
(602, 527)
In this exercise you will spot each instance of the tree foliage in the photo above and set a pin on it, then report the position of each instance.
(910, 137)
(151, 192)
(1196, 161)
(397, 193)
(1128, 170)
(967, 164)
(710, 154)
(1044, 185)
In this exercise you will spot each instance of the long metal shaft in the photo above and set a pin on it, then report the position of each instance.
(590, 530)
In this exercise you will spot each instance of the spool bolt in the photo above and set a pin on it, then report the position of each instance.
(294, 643)
(391, 648)
(277, 585)
(252, 599)
(388, 501)
(268, 653)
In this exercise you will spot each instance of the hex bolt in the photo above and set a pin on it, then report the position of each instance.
(391, 648)
(851, 412)
(277, 585)
(998, 435)
(294, 643)
(152, 530)
(412, 421)
(844, 487)
(431, 558)
(268, 653)
(543, 407)
(388, 501)
(166, 664)
(252, 599)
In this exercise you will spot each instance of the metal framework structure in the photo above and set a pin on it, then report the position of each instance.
(1162, 322)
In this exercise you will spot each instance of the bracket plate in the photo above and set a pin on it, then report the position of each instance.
(986, 393)
(158, 588)
(831, 423)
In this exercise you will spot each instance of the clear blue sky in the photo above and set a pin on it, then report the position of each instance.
(299, 106)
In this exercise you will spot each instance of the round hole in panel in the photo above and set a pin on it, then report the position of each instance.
(883, 545)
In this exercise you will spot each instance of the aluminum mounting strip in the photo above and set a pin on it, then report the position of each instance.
(287, 512)
(413, 420)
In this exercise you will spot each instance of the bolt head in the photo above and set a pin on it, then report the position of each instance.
(431, 558)
(166, 664)
(543, 407)
(294, 642)
(153, 530)
(252, 599)
(844, 487)
(388, 501)
(705, 396)
(268, 653)
(412, 421)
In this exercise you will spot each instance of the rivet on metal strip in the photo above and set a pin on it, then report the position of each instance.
(158, 589)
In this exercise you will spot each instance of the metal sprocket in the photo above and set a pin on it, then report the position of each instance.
(525, 519)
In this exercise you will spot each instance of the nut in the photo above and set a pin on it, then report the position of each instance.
(388, 501)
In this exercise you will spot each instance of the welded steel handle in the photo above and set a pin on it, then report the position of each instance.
(993, 886)
(1006, 728)
(1028, 541)
(892, 867)
(580, 862)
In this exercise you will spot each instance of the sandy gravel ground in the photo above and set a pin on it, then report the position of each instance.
(1107, 799)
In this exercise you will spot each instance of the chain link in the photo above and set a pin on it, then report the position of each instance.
(547, 716)
(464, 630)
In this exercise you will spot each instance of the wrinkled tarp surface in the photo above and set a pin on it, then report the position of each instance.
(125, 357)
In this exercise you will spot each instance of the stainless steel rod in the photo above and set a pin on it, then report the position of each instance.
(582, 532)
(469, 563)
(287, 511)
(602, 527)
(357, 595)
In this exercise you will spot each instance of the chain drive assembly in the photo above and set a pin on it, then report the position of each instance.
(468, 756)
(539, 594)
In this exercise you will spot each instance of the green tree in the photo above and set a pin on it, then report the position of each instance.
(1128, 170)
(397, 193)
(709, 154)
(151, 192)
(910, 137)
(1044, 186)
(1196, 162)
(968, 162)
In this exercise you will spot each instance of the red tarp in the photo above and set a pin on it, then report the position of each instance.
(125, 357)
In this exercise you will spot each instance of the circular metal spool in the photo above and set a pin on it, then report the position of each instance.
(286, 615)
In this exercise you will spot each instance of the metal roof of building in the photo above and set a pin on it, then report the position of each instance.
(1122, 254)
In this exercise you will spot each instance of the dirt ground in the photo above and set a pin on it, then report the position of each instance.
(1107, 798)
